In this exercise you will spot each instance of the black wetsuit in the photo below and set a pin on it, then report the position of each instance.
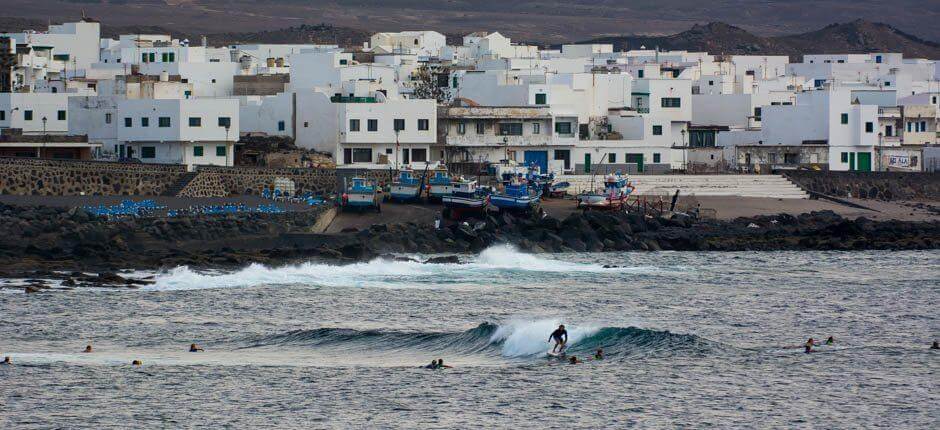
(557, 335)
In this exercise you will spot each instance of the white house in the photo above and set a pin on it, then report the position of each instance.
(191, 132)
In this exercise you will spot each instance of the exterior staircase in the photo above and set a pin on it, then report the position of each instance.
(184, 180)
(768, 186)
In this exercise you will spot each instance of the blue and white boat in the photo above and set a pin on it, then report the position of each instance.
(361, 194)
(516, 198)
(407, 187)
(441, 185)
(465, 199)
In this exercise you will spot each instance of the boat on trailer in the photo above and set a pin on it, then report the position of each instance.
(612, 196)
(361, 194)
(466, 198)
(407, 187)
(516, 198)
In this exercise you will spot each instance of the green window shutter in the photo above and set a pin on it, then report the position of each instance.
(143, 57)
(61, 115)
(220, 151)
(197, 151)
(172, 57)
(845, 118)
(541, 99)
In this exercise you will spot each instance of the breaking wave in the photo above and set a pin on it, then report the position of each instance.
(517, 340)
(377, 273)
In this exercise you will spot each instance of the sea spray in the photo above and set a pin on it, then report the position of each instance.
(502, 264)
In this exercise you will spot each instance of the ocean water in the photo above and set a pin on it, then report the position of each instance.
(692, 340)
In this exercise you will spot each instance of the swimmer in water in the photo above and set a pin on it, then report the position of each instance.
(194, 348)
(830, 341)
(808, 348)
(599, 355)
(432, 366)
(574, 360)
(6, 360)
(137, 363)
(936, 345)
(441, 365)
(88, 349)
(560, 336)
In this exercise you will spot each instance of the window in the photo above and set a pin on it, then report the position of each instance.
(55, 90)
(148, 152)
(424, 125)
(710, 83)
(419, 155)
(107, 118)
(671, 102)
(536, 128)
(399, 124)
(164, 57)
(3, 115)
(757, 113)
(152, 57)
(611, 158)
(388, 150)
(845, 157)
(195, 121)
(163, 121)
(869, 127)
(306, 124)
(510, 129)
(639, 73)
(541, 99)
(845, 118)
(28, 115)
(187, 94)
(225, 121)
(354, 125)
(280, 126)
(343, 61)
(144, 122)
(563, 127)
(373, 125)
(362, 155)
(454, 82)
(887, 83)
(656, 157)
(128, 122)
(909, 129)
(461, 128)
(197, 151)
(657, 130)
(172, 57)
(923, 126)
(220, 150)
(60, 115)
(481, 127)
(213, 80)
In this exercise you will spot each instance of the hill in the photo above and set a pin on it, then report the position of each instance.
(719, 38)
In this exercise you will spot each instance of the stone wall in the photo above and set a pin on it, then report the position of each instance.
(31, 176)
(888, 186)
(228, 181)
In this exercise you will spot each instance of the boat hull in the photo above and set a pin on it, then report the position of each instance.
(507, 203)
(404, 193)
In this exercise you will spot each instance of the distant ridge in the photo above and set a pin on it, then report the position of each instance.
(858, 36)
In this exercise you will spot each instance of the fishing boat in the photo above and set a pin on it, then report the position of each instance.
(466, 198)
(516, 197)
(559, 190)
(407, 187)
(612, 196)
(440, 185)
(361, 194)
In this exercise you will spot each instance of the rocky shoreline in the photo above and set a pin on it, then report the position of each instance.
(80, 250)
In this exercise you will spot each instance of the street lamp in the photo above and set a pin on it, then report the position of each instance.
(43, 135)
(397, 148)
(685, 163)
(227, 127)
(506, 148)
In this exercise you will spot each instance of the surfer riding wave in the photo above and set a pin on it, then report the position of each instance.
(560, 336)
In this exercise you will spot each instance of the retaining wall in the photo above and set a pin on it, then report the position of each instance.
(31, 176)
(229, 181)
(887, 186)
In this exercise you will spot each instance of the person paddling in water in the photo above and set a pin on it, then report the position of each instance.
(560, 336)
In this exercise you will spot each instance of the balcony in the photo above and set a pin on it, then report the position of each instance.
(889, 112)
(347, 99)
(483, 140)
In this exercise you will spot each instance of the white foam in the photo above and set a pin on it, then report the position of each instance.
(377, 273)
(522, 338)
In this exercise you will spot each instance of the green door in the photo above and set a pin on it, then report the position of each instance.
(587, 163)
(864, 161)
(852, 161)
(635, 158)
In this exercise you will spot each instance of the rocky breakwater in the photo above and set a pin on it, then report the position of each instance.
(36, 240)
(602, 232)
